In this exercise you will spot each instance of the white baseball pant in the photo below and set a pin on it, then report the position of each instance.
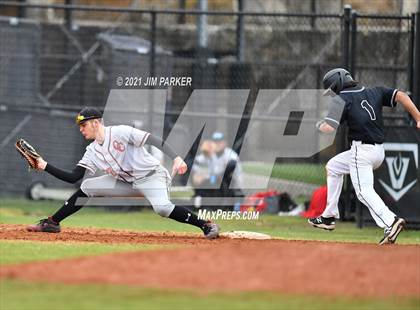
(359, 162)
(154, 188)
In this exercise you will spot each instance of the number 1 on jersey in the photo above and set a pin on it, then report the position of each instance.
(365, 105)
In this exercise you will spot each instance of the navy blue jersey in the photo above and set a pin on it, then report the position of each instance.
(361, 109)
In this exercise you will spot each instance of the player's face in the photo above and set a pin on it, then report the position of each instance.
(220, 146)
(88, 130)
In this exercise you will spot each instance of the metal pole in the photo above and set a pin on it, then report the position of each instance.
(152, 69)
(152, 43)
(353, 46)
(411, 54)
(416, 78)
(182, 6)
(313, 11)
(240, 33)
(202, 25)
(353, 54)
(115, 9)
(346, 37)
(397, 48)
(343, 133)
(68, 18)
(21, 10)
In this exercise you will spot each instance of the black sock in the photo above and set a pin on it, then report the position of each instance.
(69, 207)
(182, 215)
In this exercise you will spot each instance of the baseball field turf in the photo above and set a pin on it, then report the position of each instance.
(150, 271)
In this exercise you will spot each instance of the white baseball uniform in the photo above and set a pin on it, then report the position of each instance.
(362, 110)
(129, 167)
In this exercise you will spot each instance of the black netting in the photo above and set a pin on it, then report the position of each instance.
(45, 62)
(382, 53)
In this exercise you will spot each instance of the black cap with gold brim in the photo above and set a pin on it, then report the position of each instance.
(87, 114)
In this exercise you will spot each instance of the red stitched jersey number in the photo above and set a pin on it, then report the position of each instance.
(365, 105)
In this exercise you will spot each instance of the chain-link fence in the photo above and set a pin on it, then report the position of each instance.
(382, 53)
(56, 61)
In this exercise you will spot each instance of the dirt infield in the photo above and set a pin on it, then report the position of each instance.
(326, 268)
(18, 232)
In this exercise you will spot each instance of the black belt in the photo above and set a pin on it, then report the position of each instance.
(150, 174)
(366, 142)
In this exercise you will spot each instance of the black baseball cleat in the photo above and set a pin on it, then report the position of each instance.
(211, 230)
(45, 225)
(327, 223)
(391, 233)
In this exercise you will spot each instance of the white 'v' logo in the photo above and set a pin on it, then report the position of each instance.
(397, 169)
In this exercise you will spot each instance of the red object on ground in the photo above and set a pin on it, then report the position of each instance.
(318, 203)
(257, 201)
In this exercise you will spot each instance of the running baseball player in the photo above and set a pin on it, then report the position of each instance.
(361, 109)
(119, 152)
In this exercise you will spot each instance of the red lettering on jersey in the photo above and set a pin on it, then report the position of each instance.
(119, 146)
(111, 172)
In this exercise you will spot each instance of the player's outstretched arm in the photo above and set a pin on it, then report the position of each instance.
(403, 99)
(70, 177)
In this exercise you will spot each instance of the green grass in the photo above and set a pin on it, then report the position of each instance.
(291, 228)
(21, 295)
(17, 294)
(297, 228)
(19, 251)
(307, 173)
(26, 212)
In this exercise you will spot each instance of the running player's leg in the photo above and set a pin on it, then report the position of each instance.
(364, 158)
(336, 168)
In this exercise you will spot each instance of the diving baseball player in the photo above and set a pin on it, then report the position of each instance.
(118, 153)
(361, 109)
